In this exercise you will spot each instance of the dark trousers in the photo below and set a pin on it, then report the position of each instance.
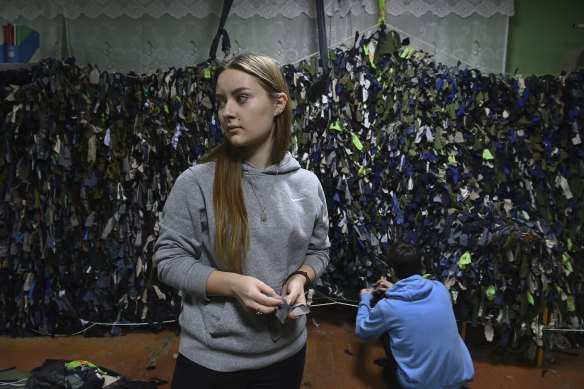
(286, 374)
(390, 370)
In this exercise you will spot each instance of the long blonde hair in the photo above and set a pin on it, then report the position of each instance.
(231, 221)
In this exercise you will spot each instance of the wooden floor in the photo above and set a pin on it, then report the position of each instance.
(336, 358)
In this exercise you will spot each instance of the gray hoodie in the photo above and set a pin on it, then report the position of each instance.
(217, 332)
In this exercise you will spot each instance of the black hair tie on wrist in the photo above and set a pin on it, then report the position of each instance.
(303, 273)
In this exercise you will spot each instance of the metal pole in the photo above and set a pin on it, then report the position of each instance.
(322, 36)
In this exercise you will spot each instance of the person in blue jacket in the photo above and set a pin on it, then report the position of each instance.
(415, 322)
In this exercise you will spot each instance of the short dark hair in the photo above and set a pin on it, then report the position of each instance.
(405, 259)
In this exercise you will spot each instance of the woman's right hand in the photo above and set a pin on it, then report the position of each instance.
(251, 293)
(254, 294)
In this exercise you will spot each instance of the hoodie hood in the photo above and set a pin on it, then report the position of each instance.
(413, 288)
(287, 164)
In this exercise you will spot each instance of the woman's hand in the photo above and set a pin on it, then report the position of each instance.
(251, 293)
(293, 291)
(254, 295)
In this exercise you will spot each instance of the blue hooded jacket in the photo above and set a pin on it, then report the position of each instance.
(418, 317)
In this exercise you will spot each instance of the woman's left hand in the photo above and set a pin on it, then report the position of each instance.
(293, 291)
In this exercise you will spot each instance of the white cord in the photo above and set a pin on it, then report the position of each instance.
(14, 383)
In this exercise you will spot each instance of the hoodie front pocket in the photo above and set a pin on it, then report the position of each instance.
(212, 314)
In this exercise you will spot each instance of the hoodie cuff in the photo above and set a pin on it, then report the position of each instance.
(366, 299)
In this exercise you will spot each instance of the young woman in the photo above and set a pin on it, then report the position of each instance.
(240, 229)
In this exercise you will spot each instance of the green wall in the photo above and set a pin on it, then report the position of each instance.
(541, 35)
